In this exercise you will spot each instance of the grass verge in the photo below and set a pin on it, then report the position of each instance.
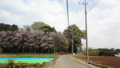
(35, 56)
(99, 65)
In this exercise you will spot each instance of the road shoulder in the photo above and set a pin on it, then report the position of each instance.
(83, 62)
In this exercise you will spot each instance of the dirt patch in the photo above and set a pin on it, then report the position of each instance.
(104, 60)
(2, 56)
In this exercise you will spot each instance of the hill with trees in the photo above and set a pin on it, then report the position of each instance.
(7, 27)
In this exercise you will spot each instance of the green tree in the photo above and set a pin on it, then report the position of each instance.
(14, 27)
(48, 29)
(42, 26)
(7, 27)
(73, 32)
(93, 52)
(38, 25)
(2, 26)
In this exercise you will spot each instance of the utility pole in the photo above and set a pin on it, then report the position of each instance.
(67, 12)
(87, 54)
(54, 44)
(68, 18)
(72, 42)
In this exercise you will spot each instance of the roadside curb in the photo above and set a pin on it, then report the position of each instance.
(83, 62)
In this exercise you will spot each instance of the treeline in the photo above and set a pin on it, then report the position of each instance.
(32, 42)
(40, 38)
(37, 38)
(103, 52)
(7, 27)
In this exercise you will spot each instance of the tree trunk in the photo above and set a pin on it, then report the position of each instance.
(11, 50)
(35, 49)
(48, 50)
(38, 49)
(29, 49)
(17, 51)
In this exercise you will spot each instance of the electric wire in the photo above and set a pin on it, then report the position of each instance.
(76, 13)
(82, 17)
(80, 14)
(82, 22)
(90, 4)
(93, 5)
(90, 7)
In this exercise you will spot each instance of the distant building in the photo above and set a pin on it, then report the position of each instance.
(117, 55)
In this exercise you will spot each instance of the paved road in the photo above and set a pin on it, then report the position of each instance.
(65, 62)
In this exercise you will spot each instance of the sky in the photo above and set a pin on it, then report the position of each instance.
(103, 17)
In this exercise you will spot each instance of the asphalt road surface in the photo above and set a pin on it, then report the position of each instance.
(65, 62)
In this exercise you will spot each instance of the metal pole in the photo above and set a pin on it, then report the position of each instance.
(87, 56)
(54, 44)
(67, 11)
(67, 16)
(72, 43)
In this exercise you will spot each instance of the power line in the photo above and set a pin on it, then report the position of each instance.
(79, 15)
(88, 7)
(83, 20)
(93, 5)
(76, 13)
(82, 17)
(90, 4)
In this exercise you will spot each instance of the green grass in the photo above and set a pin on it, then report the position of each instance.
(98, 65)
(26, 61)
(36, 56)
(32, 55)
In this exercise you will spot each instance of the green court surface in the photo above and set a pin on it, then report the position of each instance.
(26, 61)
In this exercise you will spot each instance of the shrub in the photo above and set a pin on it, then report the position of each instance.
(106, 53)
(10, 61)
(93, 52)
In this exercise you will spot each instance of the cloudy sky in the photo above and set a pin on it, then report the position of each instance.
(103, 17)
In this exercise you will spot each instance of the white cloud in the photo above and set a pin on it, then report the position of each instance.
(26, 12)
(103, 25)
